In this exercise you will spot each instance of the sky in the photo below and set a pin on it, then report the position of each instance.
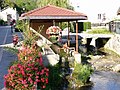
(94, 7)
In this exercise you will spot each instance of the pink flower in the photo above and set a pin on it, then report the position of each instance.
(26, 85)
(35, 83)
(53, 30)
(23, 87)
(37, 77)
(30, 58)
(42, 72)
(27, 69)
(42, 79)
(30, 75)
(37, 80)
(36, 68)
(40, 61)
(29, 79)
(24, 82)
(19, 72)
(46, 80)
(29, 64)
(37, 73)
(23, 73)
(47, 74)
(43, 86)
(4, 83)
(39, 54)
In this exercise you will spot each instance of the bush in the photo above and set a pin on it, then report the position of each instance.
(2, 22)
(55, 78)
(86, 25)
(53, 39)
(28, 72)
(19, 26)
(81, 74)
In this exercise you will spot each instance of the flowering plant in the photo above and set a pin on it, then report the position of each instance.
(53, 30)
(27, 72)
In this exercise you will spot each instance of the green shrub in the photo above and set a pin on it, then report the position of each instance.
(86, 25)
(55, 78)
(19, 26)
(2, 22)
(81, 74)
(53, 39)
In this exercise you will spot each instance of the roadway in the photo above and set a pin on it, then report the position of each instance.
(6, 57)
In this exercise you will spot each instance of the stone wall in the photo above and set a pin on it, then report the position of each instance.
(114, 44)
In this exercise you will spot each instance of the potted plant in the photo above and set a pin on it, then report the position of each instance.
(53, 30)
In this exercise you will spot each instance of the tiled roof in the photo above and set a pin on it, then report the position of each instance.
(53, 11)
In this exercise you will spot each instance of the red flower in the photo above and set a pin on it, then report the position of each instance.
(27, 72)
(5, 83)
(46, 80)
(43, 86)
(40, 61)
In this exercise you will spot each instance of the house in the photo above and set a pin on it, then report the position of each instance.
(8, 13)
(118, 12)
(52, 15)
(114, 25)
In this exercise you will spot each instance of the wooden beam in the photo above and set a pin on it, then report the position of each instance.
(68, 33)
(77, 36)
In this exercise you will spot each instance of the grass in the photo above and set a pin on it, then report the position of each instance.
(99, 31)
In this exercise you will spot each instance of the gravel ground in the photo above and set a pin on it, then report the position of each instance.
(105, 62)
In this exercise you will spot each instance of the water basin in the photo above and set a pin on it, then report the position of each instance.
(104, 80)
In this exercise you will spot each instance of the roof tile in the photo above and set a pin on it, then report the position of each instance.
(51, 10)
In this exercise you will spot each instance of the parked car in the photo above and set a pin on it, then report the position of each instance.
(64, 39)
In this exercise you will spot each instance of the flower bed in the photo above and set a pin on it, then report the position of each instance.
(28, 71)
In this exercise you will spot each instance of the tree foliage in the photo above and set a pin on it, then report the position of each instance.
(1, 4)
(27, 5)
(21, 5)
(60, 3)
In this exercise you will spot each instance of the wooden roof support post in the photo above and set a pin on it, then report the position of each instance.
(77, 36)
(68, 33)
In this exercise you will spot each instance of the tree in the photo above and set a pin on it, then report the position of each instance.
(60, 3)
(1, 4)
(27, 5)
(21, 5)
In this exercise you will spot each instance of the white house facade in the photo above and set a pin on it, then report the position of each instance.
(8, 13)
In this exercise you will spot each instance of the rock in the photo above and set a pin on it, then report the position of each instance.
(116, 68)
(97, 57)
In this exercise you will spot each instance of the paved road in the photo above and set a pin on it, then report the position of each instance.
(6, 57)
